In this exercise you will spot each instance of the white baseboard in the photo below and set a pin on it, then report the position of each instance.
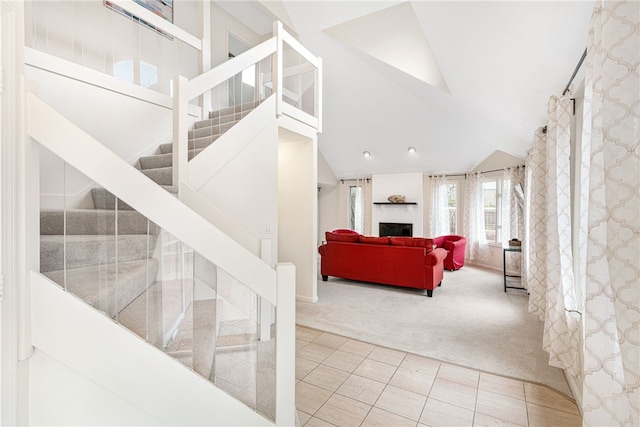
(488, 267)
(576, 390)
(306, 299)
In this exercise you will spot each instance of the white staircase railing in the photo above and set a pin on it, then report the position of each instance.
(277, 286)
(295, 79)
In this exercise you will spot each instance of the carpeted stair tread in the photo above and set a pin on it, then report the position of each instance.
(234, 109)
(173, 189)
(163, 160)
(103, 199)
(219, 120)
(161, 176)
(194, 144)
(87, 250)
(156, 161)
(98, 284)
(94, 221)
(144, 315)
(211, 130)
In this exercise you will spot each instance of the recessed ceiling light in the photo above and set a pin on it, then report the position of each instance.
(412, 149)
(366, 154)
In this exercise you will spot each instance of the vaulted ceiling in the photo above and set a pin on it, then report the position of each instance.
(456, 80)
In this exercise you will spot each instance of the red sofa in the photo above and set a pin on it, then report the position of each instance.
(400, 261)
(455, 246)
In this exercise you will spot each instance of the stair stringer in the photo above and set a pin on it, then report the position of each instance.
(88, 343)
(213, 158)
(94, 160)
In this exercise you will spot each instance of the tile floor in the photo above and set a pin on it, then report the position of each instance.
(344, 382)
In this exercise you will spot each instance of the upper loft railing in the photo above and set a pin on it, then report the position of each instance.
(91, 35)
(280, 66)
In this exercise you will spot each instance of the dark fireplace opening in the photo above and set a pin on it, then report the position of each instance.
(395, 229)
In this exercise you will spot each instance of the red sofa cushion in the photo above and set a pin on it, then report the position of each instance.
(341, 237)
(416, 242)
(373, 240)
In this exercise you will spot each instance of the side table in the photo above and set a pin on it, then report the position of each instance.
(504, 266)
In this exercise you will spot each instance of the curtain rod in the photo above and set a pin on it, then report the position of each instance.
(465, 174)
(575, 71)
(447, 176)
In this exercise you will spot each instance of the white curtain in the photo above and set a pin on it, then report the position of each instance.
(477, 247)
(439, 224)
(361, 206)
(534, 272)
(512, 212)
(549, 275)
(611, 144)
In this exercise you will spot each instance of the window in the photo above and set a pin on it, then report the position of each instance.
(356, 209)
(452, 206)
(444, 216)
(124, 70)
(490, 207)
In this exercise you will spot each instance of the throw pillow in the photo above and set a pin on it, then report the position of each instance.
(373, 240)
(341, 237)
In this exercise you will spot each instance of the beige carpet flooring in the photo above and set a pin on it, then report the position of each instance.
(470, 321)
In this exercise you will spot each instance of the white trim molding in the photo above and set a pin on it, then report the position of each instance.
(13, 232)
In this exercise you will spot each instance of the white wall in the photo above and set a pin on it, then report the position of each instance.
(409, 185)
(298, 210)
(328, 199)
(326, 176)
(60, 396)
(223, 24)
(329, 208)
(246, 189)
(499, 160)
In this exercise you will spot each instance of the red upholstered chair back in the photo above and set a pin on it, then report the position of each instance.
(455, 246)
(344, 231)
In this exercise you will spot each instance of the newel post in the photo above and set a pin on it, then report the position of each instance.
(319, 94)
(276, 66)
(180, 131)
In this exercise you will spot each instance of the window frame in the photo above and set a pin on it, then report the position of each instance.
(499, 182)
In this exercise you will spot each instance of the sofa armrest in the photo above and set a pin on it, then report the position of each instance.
(322, 250)
(435, 257)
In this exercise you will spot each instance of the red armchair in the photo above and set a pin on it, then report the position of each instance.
(455, 246)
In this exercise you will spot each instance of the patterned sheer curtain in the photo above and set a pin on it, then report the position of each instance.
(512, 206)
(534, 273)
(440, 225)
(549, 275)
(477, 247)
(512, 211)
(361, 206)
(611, 194)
